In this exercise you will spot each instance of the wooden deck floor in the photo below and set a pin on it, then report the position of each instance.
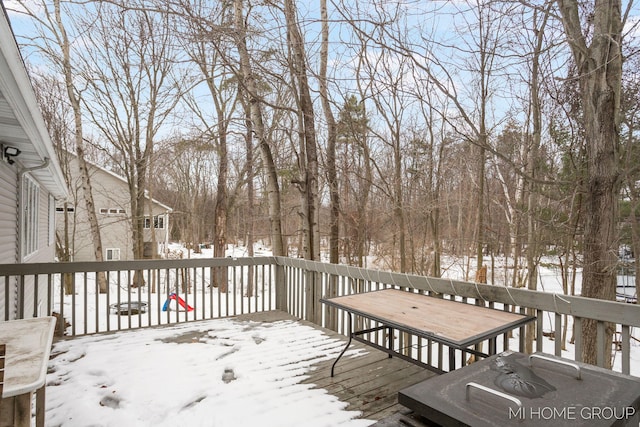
(369, 382)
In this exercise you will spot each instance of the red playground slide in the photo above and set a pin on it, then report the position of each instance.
(179, 300)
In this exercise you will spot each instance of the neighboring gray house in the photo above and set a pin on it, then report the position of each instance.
(113, 208)
(31, 179)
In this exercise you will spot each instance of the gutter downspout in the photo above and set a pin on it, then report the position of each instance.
(34, 168)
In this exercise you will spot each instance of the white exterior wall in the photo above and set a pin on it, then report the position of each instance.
(8, 236)
(8, 214)
(11, 247)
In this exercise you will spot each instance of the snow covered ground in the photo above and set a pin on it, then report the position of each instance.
(212, 374)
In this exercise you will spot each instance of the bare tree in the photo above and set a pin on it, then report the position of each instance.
(332, 174)
(54, 43)
(134, 86)
(631, 157)
(539, 21)
(388, 78)
(356, 178)
(597, 52)
(250, 87)
(308, 186)
(186, 165)
(206, 48)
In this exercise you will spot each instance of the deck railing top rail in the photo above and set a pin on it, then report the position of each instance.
(149, 264)
(607, 311)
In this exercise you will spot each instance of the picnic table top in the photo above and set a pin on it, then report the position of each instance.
(451, 322)
(28, 346)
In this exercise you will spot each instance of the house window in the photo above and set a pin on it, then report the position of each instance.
(112, 211)
(30, 197)
(158, 222)
(70, 209)
(113, 254)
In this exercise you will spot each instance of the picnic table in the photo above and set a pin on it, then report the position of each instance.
(456, 325)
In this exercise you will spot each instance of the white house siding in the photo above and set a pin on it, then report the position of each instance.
(44, 253)
(10, 252)
(8, 215)
(8, 236)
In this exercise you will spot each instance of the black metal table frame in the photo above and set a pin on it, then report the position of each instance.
(463, 346)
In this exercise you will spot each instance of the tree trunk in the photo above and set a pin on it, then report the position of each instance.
(221, 207)
(332, 174)
(249, 83)
(250, 197)
(398, 205)
(138, 218)
(532, 158)
(310, 191)
(599, 66)
(480, 204)
(82, 166)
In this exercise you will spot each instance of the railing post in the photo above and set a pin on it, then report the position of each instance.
(281, 288)
(331, 313)
(309, 295)
(313, 289)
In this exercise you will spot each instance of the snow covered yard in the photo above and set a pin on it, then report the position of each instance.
(213, 373)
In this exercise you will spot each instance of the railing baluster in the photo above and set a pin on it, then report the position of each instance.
(242, 292)
(151, 288)
(61, 321)
(85, 306)
(49, 293)
(167, 292)
(129, 282)
(539, 329)
(119, 297)
(626, 349)
(7, 314)
(557, 334)
(97, 302)
(35, 295)
(600, 343)
(73, 304)
(203, 286)
(21, 297)
(235, 291)
(577, 345)
(213, 308)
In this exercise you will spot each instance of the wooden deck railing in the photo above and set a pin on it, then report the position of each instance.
(176, 291)
(307, 281)
(137, 294)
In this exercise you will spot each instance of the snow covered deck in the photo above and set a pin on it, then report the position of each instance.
(266, 369)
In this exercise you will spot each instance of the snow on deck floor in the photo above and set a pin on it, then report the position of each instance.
(212, 374)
